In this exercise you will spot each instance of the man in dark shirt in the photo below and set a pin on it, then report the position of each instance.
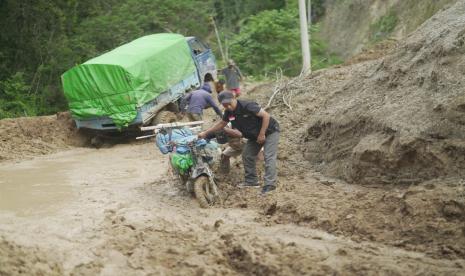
(260, 129)
(197, 101)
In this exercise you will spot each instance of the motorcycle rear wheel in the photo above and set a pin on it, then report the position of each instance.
(202, 192)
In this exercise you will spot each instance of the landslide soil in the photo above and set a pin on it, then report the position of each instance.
(384, 140)
(370, 182)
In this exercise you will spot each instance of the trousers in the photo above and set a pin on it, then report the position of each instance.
(249, 159)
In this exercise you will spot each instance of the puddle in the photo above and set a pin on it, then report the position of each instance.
(33, 189)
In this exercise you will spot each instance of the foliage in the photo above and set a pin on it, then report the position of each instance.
(44, 38)
(271, 40)
(41, 39)
(384, 26)
(318, 7)
(268, 41)
(15, 99)
(230, 14)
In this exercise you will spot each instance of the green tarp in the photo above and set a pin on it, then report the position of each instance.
(116, 83)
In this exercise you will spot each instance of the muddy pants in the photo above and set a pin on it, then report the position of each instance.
(249, 157)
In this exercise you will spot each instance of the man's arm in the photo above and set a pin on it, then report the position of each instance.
(265, 122)
(212, 103)
(231, 132)
(219, 125)
(241, 77)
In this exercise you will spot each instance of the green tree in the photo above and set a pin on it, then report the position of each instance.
(41, 39)
(15, 99)
(271, 40)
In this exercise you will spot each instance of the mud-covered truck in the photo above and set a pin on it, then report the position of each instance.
(139, 83)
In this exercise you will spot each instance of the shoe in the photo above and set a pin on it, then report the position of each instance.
(267, 189)
(248, 185)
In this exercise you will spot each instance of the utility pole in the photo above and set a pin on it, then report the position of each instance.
(304, 40)
(309, 13)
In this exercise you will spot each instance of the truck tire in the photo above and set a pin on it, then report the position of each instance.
(164, 117)
(200, 186)
(96, 141)
(173, 107)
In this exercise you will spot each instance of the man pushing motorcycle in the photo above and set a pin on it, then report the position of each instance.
(260, 130)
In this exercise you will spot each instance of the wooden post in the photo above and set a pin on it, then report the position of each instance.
(219, 40)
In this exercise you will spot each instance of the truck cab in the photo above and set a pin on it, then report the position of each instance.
(204, 59)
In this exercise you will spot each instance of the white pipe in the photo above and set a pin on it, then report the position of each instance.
(306, 68)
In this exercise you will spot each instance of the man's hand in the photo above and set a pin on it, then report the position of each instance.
(202, 135)
(261, 138)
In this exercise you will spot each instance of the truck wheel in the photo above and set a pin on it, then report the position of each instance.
(164, 117)
(96, 142)
(173, 107)
(200, 191)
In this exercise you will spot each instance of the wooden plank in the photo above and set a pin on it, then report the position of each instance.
(172, 125)
(195, 130)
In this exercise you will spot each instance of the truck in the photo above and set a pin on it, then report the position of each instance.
(137, 84)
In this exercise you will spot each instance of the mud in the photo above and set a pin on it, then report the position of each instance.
(371, 182)
(427, 217)
(128, 217)
(27, 189)
(18, 260)
(23, 138)
(394, 120)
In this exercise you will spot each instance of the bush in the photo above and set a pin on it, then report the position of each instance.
(15, 98)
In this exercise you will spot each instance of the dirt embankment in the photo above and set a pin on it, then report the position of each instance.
(23, 138)
(394, 125)
(399, 119)
(351, 26)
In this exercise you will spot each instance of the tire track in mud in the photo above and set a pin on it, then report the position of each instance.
(176, 237)
(129, 218)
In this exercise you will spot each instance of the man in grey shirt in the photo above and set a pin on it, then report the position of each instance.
(198, 100)
(233, 76)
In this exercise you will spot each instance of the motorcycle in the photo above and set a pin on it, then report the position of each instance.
(190, 158)
(193, 169)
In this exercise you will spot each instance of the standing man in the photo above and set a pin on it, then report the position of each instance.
(233, 77)
(197, 101)
(260, 130)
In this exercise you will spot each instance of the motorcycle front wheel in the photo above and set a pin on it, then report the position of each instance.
(203, 192)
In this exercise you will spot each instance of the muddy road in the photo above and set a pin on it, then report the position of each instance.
(115, 211)
(371, 182)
